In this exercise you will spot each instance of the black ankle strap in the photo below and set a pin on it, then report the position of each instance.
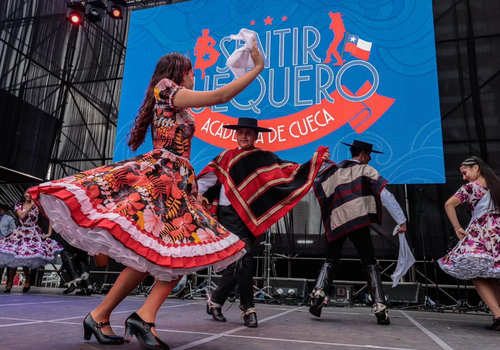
(150, 324)
(102, 324)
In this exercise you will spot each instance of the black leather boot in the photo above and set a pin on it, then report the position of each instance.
(377, 293)
(70, 265)
(321, 288)
(85, 285)
(250, 317)
(215, 310)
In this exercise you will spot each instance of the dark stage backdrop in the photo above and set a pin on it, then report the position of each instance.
(26, 136)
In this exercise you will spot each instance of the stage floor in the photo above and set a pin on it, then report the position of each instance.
(46, 319)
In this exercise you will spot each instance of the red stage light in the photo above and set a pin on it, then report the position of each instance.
(75, 18)
(116, 13)
(116, 8)
(75, 12)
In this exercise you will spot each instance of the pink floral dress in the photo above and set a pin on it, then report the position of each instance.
(24, 246)
(478, 253)
(143, 211)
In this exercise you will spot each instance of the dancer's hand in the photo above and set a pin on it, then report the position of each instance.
(256, 55)
(402, 228)
(202, 199)
(326, 156)
(461, 233)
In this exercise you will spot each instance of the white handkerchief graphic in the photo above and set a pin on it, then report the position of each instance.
(241, 60)
(405, 259)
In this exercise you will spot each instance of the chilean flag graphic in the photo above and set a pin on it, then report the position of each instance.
(358, 47)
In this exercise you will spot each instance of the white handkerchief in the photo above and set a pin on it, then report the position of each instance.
(240, 60)
(405, 259)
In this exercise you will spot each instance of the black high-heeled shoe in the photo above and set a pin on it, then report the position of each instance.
(9, 286)
(495, 326)
(71, 287)
(92, 327)
(142, 330)
(26, 289)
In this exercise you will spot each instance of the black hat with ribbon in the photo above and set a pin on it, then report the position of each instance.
(249, 123)
(365, 146)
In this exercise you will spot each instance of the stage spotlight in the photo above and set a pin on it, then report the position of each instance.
(94, 10)
(291, 292)
(116, 8)
(75, 12)
(279, 291)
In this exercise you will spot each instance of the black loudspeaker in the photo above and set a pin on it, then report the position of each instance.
(405, 293)
(340, 295)
(27, 136)
(289, 286)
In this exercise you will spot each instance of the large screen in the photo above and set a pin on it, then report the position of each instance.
(335, 71)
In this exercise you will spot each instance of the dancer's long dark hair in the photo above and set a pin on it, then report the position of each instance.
(492, 180)
(172, 66)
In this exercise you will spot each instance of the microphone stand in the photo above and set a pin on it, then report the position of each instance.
(264, 292)
(419, 230)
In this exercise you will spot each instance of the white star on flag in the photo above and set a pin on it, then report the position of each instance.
(358, 47)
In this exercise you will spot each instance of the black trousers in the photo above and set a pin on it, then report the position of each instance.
(76, 262)
(363, 243)
(240, 272)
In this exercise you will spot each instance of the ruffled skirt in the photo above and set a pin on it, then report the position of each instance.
(24, 247)
(477, 255)
(143, 213)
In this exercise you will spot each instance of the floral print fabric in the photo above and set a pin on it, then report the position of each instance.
(478, 253)
(147, 204)
(155, 192)
(173, 128)
(24, 246)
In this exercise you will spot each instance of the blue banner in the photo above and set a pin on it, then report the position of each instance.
(335, 72)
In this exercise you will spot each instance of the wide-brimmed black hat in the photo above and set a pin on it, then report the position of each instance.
(250, 123)
(365, 146)
(4, 206)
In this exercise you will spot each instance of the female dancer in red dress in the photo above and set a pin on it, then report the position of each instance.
(143, 211)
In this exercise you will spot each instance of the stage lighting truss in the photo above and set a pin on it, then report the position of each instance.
(94, 10)
(116, 8)
(75, 12)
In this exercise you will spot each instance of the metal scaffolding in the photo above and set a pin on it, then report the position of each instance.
(74, 73)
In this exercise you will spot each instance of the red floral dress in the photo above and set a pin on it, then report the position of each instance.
(478, 253)
(143, 211)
